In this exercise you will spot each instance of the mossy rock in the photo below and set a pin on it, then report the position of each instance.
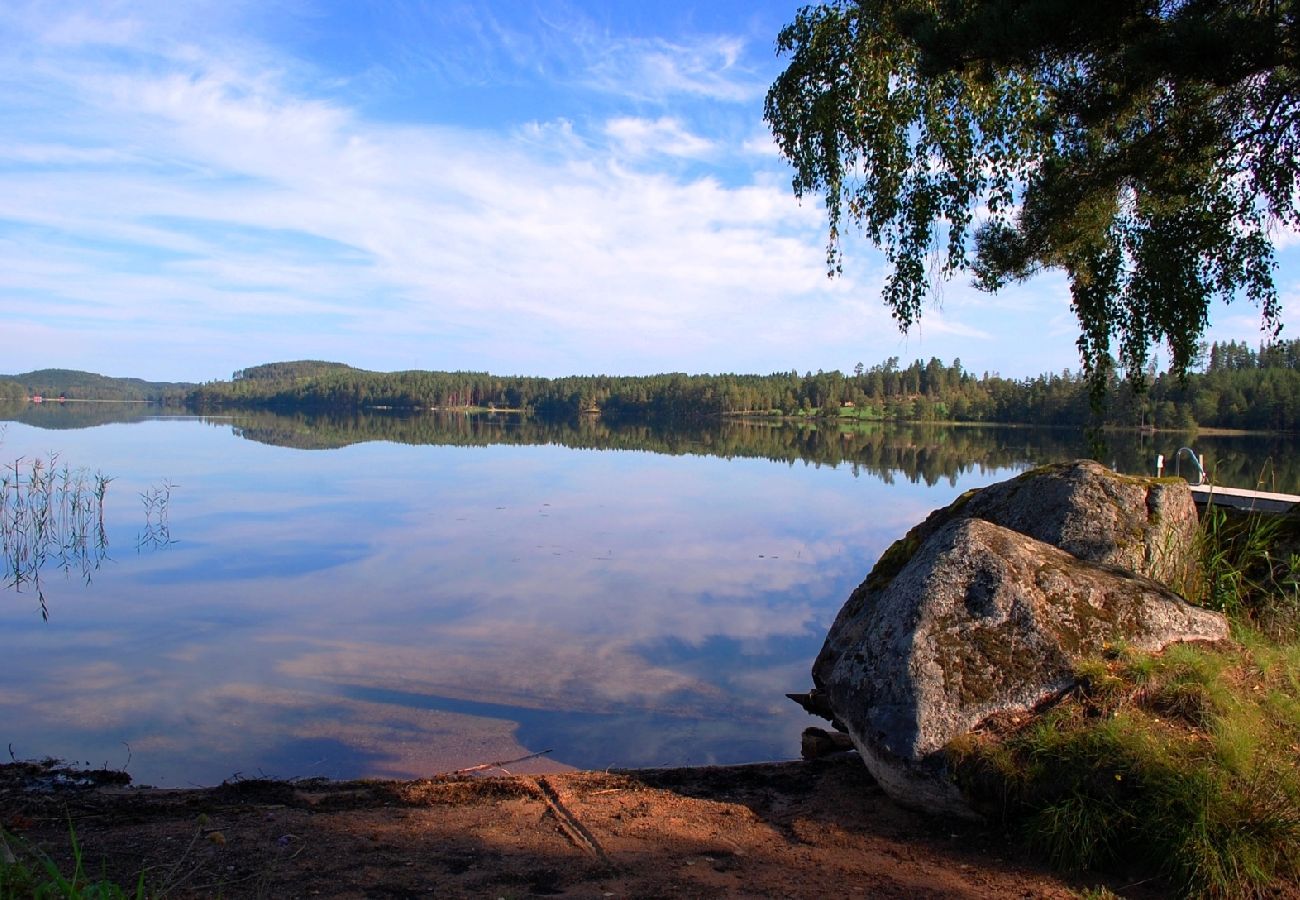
(980, 622)
(1144, 525)
(986, 605)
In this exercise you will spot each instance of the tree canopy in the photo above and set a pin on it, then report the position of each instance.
(1146, 147)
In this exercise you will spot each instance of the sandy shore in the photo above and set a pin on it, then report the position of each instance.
(799, 829)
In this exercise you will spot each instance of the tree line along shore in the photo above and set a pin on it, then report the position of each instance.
(1238, 387)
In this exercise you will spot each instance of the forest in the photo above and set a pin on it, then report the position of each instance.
(1235, 386)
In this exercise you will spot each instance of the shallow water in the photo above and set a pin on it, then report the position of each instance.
(484, 590)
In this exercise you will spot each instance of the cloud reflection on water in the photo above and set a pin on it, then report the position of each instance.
(396, 610)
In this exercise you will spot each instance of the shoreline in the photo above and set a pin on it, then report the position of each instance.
(798, 829)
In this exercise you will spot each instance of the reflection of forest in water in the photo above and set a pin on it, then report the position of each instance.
(77, 414)
(917, 452)
(923, 453)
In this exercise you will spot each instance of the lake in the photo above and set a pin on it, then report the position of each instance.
(399, 596)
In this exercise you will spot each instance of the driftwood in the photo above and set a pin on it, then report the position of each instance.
(500, 765)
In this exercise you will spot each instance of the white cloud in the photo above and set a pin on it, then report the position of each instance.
(82, 28)
(761, 145)
(667, 136)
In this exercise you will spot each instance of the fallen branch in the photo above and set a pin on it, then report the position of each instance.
(570, 827)
(500, 765)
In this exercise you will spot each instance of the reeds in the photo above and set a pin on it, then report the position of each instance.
(50, 515)
(157, 527)
(1250, 568)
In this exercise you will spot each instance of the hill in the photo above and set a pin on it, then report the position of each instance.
(78, 385)
(296, 369)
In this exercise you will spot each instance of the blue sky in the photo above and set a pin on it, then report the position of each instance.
(548, 188)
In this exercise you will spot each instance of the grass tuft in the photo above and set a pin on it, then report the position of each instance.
(29, 873)
(50, 515)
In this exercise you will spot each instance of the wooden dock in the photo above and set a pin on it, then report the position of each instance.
(1241, 498)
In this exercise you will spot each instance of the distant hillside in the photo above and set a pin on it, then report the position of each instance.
(76, 385)
(290, 371)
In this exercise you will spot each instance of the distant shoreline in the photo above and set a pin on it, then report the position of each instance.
(1240, 392)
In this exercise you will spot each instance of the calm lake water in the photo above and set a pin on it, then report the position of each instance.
(402, 596)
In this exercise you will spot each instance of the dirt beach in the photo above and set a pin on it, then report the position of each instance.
(798, 829)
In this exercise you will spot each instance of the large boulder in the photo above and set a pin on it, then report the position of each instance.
(1143, 525)
(976, 613)
(984, 620)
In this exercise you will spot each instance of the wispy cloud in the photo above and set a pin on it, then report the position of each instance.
(708, 67)
(643, 137)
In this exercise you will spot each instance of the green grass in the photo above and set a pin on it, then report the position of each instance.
(32, 874)
(1190, 765)
(1183, 765)
(866, 413)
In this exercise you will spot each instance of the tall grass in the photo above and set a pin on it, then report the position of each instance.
(1250, 569)
(157, 527)
(52, 516)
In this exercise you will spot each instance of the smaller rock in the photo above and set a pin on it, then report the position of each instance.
(818, 742)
